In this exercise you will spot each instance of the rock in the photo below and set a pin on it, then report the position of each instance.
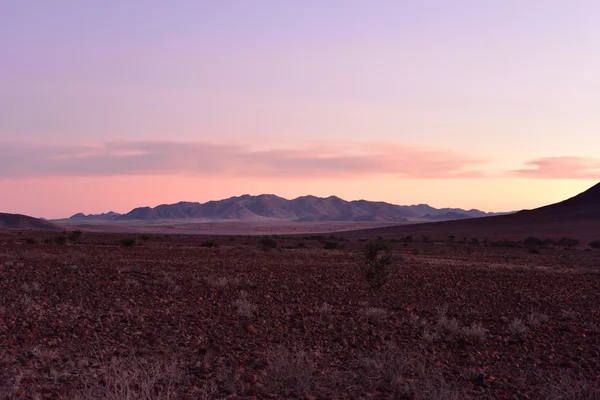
(251, 329)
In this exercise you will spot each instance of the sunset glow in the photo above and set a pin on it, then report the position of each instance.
(455, 104)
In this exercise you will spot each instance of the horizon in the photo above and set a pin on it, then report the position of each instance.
(463, 105)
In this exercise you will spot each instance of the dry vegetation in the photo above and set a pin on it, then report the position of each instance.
(173, 318)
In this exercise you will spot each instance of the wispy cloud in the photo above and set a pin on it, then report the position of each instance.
(321, 160)
(561, 168)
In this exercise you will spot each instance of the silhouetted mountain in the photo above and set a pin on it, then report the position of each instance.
(448, 216)
(585, 205)
(301, 209)
(577, 217)
(109, 216)
(18, 221)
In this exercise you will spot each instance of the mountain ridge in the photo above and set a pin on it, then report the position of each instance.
(306, 208)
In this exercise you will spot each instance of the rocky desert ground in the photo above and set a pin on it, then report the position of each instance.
(124, 316)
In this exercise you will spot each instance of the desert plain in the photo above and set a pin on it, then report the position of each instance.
(152, 316)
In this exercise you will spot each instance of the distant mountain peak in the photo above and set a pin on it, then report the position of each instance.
(273, 207)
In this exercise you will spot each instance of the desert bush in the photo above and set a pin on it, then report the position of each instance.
(30, 241)
(330, 245)
(534, 320)
(325, 309)
(133, 379)
(430, 336)
(209, 243)
(291, 371)
(60, 240)
(244, 307)
(128, 242)
(376, 263)
(75, 236)
(385, 369)
(375, 314)
(568, 242)
(565, 387)
(146, 237)
(516, 327)
(568, 315)
(595, 244)
(475, 332)
(532, 241)
(268, 243)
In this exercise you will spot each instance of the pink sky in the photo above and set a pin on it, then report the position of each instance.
(456, 104)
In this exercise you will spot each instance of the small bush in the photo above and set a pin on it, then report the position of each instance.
(291, 372)
(268, 243)
(329, 245)
(475, 332)
(145, 237)
(377, 259)
(30, 241)
(516, 327)
(209, 243)
(595, 244)
(128, 242)
(376, 314)
(60, 240)
(75, 236)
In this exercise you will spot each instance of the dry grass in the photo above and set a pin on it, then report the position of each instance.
(133, 379)
(376, 314)
(475, 332)
(385, 369)
(566, 388)
(244, 307)
(291, 371)
(535, 319)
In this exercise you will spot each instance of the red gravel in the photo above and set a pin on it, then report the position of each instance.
(238, 322)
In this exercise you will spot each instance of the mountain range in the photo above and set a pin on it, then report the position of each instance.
(301, 209)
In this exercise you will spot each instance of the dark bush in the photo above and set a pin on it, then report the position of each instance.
(128, 242)
(376, 263)
(75, 235)
(268, 243)
(329, 245)
(568, 242)
(145, 237)
(30, 241)
(595, 244)
(209, 243)
(60, 240)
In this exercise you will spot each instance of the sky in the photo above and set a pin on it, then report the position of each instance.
(473, 104)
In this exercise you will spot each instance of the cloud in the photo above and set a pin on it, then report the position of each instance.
(561, 168)
(318, 160)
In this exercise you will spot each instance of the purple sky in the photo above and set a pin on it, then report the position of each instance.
(421, 95)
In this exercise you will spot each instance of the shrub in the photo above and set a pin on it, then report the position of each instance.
(145, 237)
(377, 259)
(595, 244)
(516, 327)
(128, 242)
(60, 240)
(30, 241)
(568, 242)
(268, 243)
(75, 235)
(209, 243)
(291, 371)
(329, 245)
